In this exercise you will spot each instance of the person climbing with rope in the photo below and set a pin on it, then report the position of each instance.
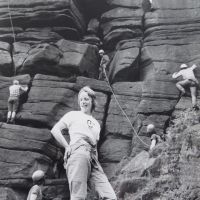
(190, 80)
(103, 68)
(35, 193)
(13, 100)
(155, 138)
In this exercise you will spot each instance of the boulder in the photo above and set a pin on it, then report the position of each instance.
(43, 14)
(56, 189)
(6, 67)
(50, 98)
(114, 149)
(64, 58)
(128, 96)
(31, 139)
(121, 22)
(27, 150)
(125, 3)
(8, 194)
(170, 31)
(124, 65)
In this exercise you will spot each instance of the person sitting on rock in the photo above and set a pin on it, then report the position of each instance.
(103, 65)
(190, 80)
(35, 193)
(13, 100)
(155, 138)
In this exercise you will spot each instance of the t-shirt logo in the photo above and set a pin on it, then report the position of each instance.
(90, 123)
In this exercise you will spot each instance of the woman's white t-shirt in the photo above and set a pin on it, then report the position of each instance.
(80, 126)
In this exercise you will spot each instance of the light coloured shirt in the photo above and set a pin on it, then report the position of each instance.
(35, 190)
(15, 90)
(186, 73)
(80, 126)
(104, 61)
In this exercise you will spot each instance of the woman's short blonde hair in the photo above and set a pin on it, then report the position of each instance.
(91, 93)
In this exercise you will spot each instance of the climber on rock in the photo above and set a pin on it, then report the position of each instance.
(190, 80)
(13, 100)
(35, 193)
(81, 158)
(103, 68)
(155, 138)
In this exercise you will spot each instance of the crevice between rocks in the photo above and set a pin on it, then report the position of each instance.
(102, 137)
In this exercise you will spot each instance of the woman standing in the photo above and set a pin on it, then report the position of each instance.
(80, 157)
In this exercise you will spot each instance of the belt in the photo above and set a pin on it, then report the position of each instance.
(82, 142)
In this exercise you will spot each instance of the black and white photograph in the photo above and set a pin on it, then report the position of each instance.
(99, 99)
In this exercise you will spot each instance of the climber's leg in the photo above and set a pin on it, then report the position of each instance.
(10, 108)
(181, 84)
(15, 107)
(193, 91)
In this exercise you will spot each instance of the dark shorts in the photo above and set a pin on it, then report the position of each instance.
(192, 83)
(13, 103)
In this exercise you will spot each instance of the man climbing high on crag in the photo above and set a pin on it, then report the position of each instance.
(103, 65)
(190, 80)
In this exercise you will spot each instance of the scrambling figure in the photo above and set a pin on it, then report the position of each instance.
(155, 139)
(13, 100)
(81, 159)
(103, 65)
(35, 193)
(190, 80)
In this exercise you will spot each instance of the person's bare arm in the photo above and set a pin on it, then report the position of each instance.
(57, 134)
(176, 74)
(153, 144)
(24, 88)
(194, 66)
(33, 197)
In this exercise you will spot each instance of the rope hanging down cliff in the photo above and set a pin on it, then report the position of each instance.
(124, 113)
(11, 22)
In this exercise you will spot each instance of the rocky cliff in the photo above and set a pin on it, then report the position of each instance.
(52, 46)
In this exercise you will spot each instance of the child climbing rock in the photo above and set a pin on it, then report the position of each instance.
(35, 193)
(155, 138)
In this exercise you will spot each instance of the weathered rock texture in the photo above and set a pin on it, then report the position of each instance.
(53, 48)
(63, 58)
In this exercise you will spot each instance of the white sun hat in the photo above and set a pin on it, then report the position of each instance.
(38, 175)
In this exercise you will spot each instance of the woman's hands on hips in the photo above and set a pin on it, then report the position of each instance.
(67, 153)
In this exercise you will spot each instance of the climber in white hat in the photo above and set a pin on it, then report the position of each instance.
(35, 193)
(189, 80)
(103, 64)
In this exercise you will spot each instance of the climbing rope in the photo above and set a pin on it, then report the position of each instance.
(11, 22)
(13, 32)
(124, 113)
